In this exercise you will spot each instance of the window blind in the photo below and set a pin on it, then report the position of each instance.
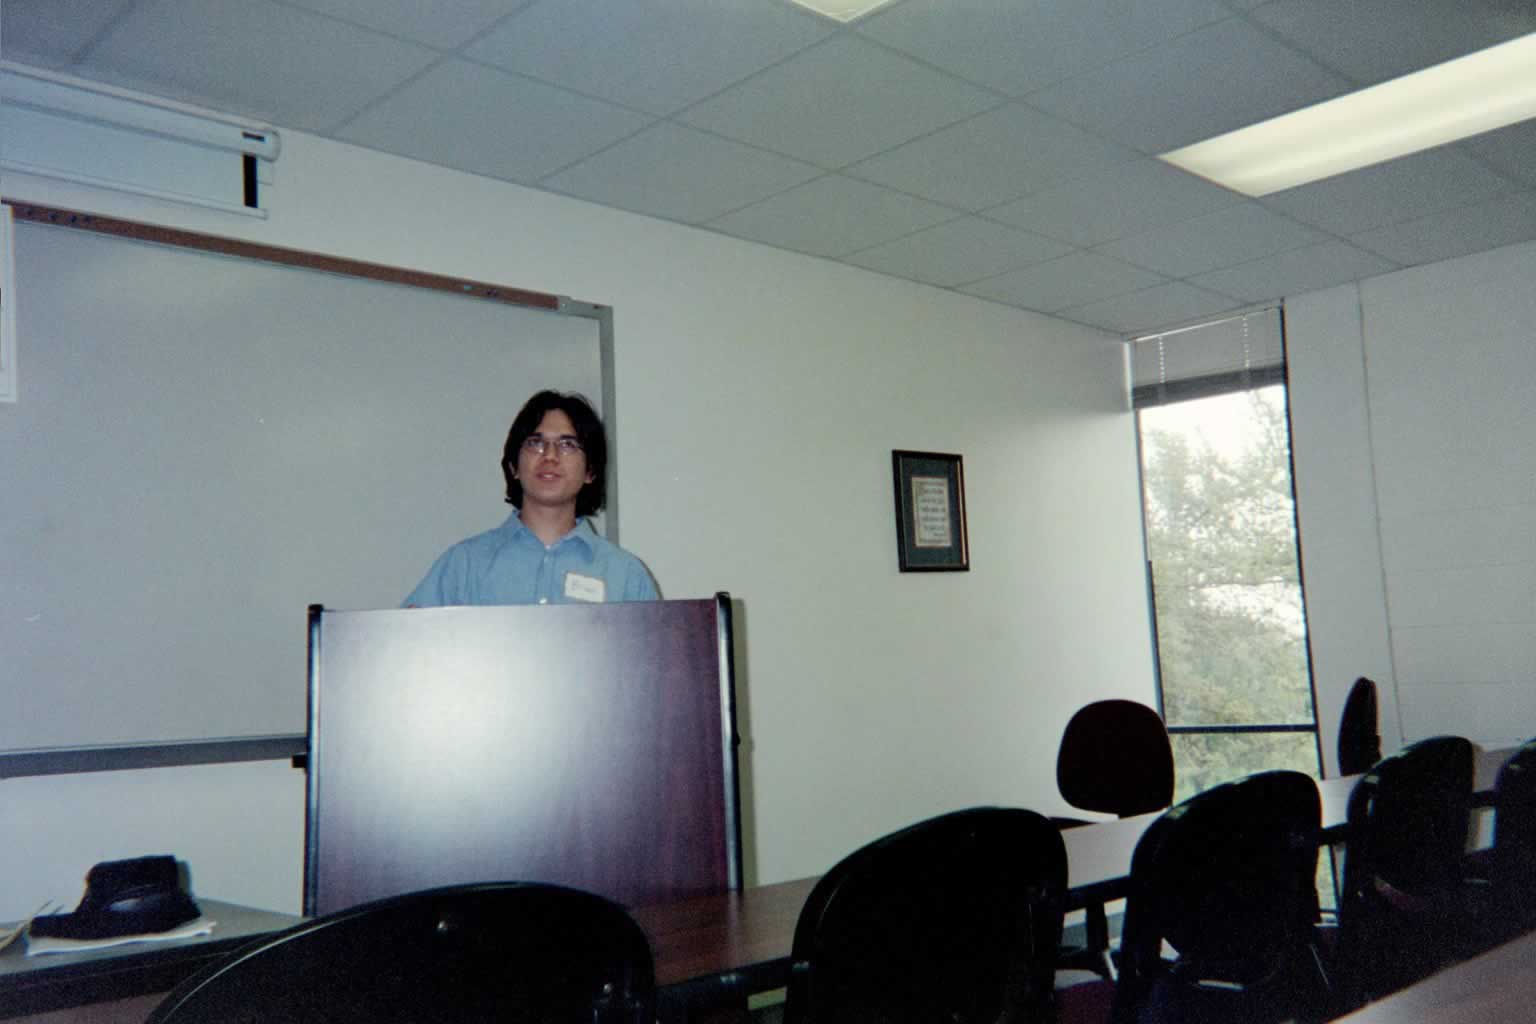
(1233, 354)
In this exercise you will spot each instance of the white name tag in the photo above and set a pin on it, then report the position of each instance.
(585, 588)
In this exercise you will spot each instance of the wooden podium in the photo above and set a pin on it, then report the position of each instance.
(586, 745)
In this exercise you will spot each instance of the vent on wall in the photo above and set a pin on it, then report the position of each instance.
(59, 127)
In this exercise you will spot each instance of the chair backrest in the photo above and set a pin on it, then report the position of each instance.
(953, 919)
(1227, 879)
(468, 954)
(1115, 758)
(1401, 906)
(1514, 832)
(1407, 822)
(1359, 745)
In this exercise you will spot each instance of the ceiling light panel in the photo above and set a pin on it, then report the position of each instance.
(1460, 98)
(844, 11)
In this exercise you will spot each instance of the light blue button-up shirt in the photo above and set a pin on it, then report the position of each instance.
(510, 565)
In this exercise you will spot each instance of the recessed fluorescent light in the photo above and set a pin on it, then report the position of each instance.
(1462, 97)
(842, 10)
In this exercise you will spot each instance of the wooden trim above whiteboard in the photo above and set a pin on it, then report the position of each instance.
(25, 211)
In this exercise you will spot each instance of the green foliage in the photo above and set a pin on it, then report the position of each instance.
(1221, 536)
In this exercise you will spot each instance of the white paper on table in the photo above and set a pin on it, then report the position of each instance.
(40, 945)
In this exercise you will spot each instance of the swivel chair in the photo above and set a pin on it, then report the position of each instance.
(1226, 881)
(1359, 745)
(954, 919)
(1514, 838)
(1115, 758)
(473, 954)
(1508, 867)
(1404, 909)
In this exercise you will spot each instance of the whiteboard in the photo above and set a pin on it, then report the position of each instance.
(203, 446)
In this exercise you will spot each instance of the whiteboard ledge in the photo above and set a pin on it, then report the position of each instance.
(15, 764)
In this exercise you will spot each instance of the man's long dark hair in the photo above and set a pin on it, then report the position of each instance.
(589, 431)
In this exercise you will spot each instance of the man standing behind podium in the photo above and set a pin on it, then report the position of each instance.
(546, 552)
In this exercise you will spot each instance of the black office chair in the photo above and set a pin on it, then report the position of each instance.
(1115, 758)
(1227, 879)
(472, 954)
(1508, 867)
(1405, 910)
(1359, 745)
(1514, 834)
(953, 919)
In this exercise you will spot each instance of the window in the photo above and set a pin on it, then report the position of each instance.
(1231, 643)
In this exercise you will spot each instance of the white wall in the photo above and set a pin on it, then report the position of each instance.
(759, 394)
(1416, 415)
(238, 827)
(1336, 508)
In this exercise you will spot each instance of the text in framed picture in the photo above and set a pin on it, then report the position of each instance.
(930, 512)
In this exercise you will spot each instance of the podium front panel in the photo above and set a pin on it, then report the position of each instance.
(584, 745)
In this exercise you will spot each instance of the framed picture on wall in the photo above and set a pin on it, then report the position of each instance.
(930, 512)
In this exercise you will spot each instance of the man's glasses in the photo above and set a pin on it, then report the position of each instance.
(538, 444)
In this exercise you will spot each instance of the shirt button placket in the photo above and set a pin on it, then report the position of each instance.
(546, 576)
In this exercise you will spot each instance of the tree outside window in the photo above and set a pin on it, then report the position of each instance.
(1231, 627)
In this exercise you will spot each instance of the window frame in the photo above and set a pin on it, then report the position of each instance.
(1178, 391)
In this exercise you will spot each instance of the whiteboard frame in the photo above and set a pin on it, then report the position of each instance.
(16, 763)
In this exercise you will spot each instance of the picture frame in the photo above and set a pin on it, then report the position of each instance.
(930, 512)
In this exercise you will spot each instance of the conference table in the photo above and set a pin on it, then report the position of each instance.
(713, 950)
(710, 951)
(1494, 988)
(123, 983)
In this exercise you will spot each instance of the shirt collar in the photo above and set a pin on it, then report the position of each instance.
(582, 533)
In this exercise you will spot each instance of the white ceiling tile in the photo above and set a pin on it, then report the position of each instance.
(439, 25)
(1295, 272)
(1213, 80)
(1235, 234)
(936, 98)
(1510, 151)
(1127, 200)
(840, 101)
(832, 216)
(992, 158)
(681, 174)
(1442, 236)
(489, 122)
(1070, 281)
(251, 57)
(1162, 306)
(953, 253)
(1373, 197)
(55, 30)
(660, 56)
(1373, 40)
(1017, 46)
